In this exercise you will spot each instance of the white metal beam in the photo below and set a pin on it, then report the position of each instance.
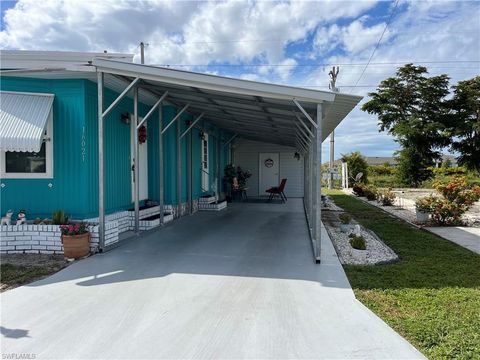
(305, 113)
(175, 118)
(192, 125)
(154, 107)
(212, 82)
(121, 96)
(301, 139)
(306, 137)
(304, 125)
(230, 140)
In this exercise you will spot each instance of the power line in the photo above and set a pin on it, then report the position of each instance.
(325, 64)
(379, 40)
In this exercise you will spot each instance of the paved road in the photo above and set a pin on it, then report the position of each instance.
(240, 283)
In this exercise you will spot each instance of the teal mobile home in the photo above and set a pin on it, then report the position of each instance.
(108, 140)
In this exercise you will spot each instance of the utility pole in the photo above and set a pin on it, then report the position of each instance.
(332, 86)
(142, 52)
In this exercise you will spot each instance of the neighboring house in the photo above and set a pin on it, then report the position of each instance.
(50, 126)
(382, 160)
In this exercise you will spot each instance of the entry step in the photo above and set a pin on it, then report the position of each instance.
(213, 206)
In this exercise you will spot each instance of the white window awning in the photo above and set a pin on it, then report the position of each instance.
(23, 118)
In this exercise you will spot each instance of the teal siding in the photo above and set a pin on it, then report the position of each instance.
(118, 188)
(75, 148)
(170, 156)
(69, 168)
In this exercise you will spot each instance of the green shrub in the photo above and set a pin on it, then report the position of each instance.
(426, 204)
(345, 218)
(381, 170)
(358, 242)
(359, 189)
(460, 170)
(386, 197)
(59, 217)
(356, 164)
(458, 197)
(370, 192)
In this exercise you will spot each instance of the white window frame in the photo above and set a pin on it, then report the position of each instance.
(205, 171)
(48, 174)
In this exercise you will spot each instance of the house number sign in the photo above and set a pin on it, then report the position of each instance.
(84, 144)
(268, 163)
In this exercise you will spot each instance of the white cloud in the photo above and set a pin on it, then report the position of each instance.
(178, 32)
(181, 32)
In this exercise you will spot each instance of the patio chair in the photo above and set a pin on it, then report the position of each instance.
(278, 191)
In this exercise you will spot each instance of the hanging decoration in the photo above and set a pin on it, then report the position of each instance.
(269, 163)
(142, 134)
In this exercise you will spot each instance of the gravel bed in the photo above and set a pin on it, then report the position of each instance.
(377, 251)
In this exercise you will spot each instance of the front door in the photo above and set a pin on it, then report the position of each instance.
(143, 165)
(269, 170)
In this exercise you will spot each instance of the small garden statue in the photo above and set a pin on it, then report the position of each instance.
(7, 218)
(21, 217)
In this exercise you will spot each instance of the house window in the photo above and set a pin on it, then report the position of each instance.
(205, 167)
(30, 165)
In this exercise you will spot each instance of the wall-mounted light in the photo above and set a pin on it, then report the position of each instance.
(202, 135)
(125, 118)
(296, 155)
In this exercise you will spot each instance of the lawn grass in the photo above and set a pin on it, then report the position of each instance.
(16, 273)
(431, 296)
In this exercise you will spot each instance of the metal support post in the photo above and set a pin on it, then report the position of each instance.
(332, 159)
(161, 195)
(179, 167)
(317, 184)
(101, 179)
(136, 172)
(190, 173)
(217, 163)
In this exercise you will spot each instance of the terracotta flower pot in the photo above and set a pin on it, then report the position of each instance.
(76, 246)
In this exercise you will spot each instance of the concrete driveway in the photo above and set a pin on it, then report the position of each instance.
(234, 284)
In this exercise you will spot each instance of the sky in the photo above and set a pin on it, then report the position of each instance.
(286, 42)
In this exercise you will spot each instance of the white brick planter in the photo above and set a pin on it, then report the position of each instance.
(217, 206)
(46, 239)
(208, 200)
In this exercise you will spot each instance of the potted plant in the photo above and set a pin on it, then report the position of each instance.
(423, 207)
(75, 240)
(345, 222)
(230, 173)
(59, 217)
(358, 247)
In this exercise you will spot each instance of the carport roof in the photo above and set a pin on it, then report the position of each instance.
(250, 109)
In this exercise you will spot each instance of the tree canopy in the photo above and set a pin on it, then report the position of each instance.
(412, 107)
(356, 164)
(464, 122)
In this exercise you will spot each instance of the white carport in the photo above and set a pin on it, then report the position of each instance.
(285, 115)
